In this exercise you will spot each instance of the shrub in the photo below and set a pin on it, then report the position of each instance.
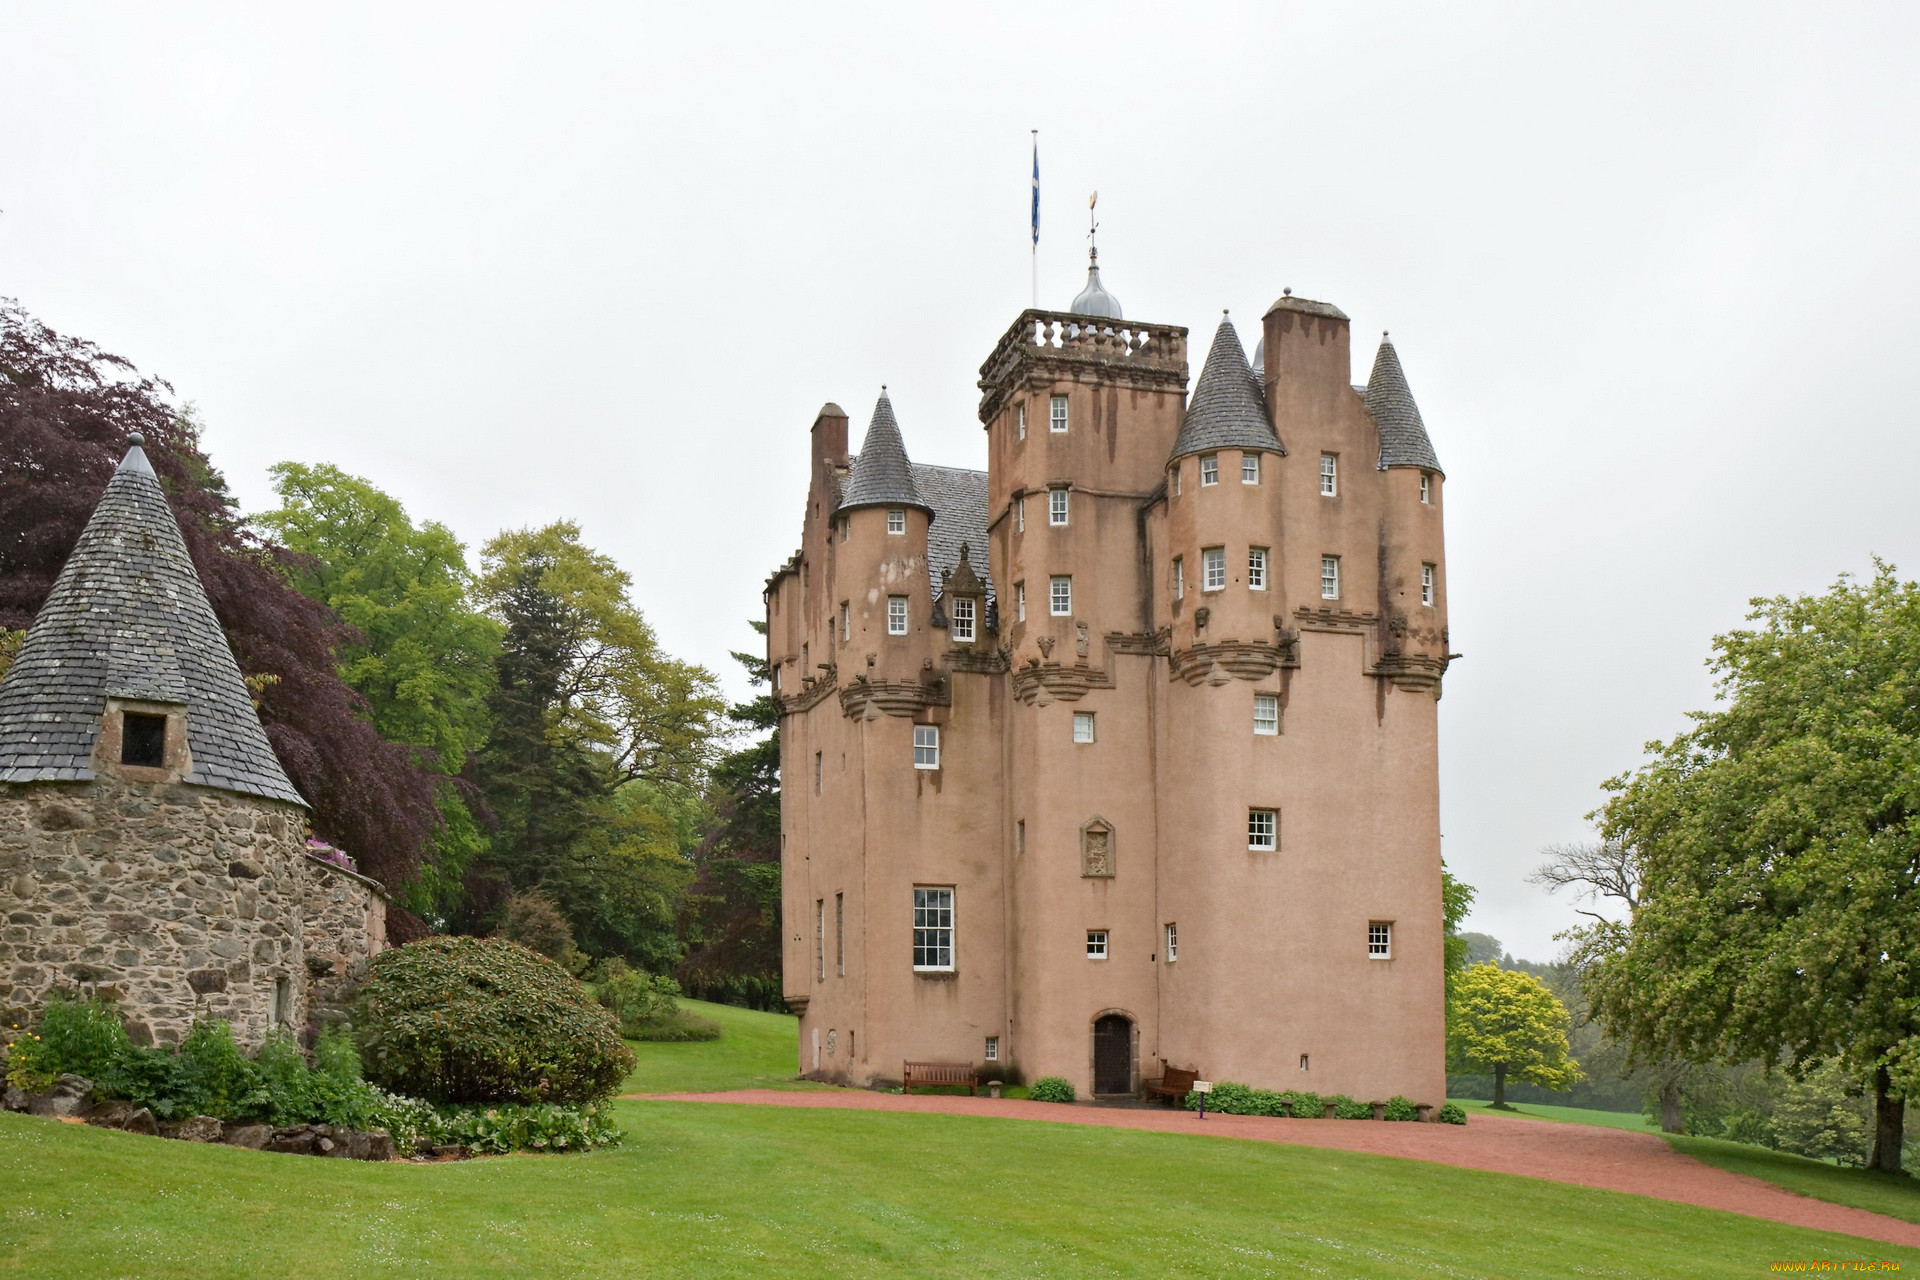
(1231, 1098)
(464, 1020)
(215, 1074)
(1451, 1114)
(1050, 1089)
(285, 1093)
(646, 1005)
(533, 920)
(1345, 1108)
(80, 1036)
(1402, 1108)
(542, 1128)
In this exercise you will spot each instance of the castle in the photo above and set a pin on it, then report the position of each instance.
(1122, 753)
(152, 849)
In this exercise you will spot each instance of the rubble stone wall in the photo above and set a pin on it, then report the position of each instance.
(182, 902)
(345, 927)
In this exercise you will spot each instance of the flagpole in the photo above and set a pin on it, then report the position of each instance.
(1036, 219)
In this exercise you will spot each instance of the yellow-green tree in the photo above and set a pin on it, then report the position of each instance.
(1507, 1022)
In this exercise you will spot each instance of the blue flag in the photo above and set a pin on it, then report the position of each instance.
(1036, 192)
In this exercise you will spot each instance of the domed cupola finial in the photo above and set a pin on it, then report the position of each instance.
(1094, 300)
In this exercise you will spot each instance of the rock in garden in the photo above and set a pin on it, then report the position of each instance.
(198, 1129)
(71, 1096)
(379, 1145)
(15, 1099)
(111, 1114)
(253, 1137)
(142, 1121)
(295, 1140)
(450, 1153)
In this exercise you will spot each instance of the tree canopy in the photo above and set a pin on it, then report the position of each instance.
(1778, 845)
(1509, 1023)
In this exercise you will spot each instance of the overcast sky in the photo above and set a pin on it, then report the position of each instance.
(1650, 268)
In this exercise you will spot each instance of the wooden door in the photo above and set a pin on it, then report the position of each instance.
(1113, 1055)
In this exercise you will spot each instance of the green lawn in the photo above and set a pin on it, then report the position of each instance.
(702, 1190)
(1569, 1115)
(755, 1051)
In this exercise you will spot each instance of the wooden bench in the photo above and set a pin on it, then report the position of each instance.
(929, 1073)
(1174, 1086)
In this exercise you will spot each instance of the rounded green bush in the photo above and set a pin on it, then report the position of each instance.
(460, 1020)
(1451, 1114)
(1050, 1089)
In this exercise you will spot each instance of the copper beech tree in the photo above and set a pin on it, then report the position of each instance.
(66, 410)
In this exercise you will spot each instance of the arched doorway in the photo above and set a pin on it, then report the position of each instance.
(1113, 1054)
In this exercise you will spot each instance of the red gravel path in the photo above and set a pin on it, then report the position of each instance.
(1588, 1156)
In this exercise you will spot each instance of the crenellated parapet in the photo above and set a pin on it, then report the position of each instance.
(1061, 346)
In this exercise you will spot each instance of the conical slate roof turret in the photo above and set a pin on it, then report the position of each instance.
(882, 476)
(1094, 300)
(1227, 410)
(1403, 436)
(128, 618)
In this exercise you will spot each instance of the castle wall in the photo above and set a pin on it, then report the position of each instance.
(182, 902)
(343, 927)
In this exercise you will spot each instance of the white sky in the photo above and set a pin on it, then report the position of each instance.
(1650, 268)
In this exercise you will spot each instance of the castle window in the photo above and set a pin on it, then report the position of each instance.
(1426, 487)
(1173, 943)
(1329, 475)
(143, 740)
(819, 772)
(1020, 836)
(1019, 602)
(1020, 421)
(1266, 714)
(1249, 468)
(1096, 944)
(896, 522)
(932, 929)
(1256, 568)
(1426, 584)
(992, 1052)
(819, 939)
(1175, 481)
(846, 527)
(1213, 568)
(1057, 413)
(1263, 829)
(1179, 577)
(1060, 596)
(840, 935)
(1209, 470)
(1083, 726)
(1380, 940)
(1020, 514)
(283, 1001)
(962, 623)
(896, 615)
(926, 746)
(1329, 577)
(1056, 506)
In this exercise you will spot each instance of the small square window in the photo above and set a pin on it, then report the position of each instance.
(1249, 468)
(1096, 944)
(1380, 940)
(1020, 421)
(896, 522)
(1263, 829)
(961, 624)
(1209, 470)
(1329, 475)
(1256, 568)
(1019, 602)
(1179, 577)
(1057, 413)
(926, 746)
(1083, 726)
(1329, 577)
(1426, 584)
(1213, 568)
(1056, 506)
(992, 1051)
(1173, 943)
(1060, 596)
(896, 615)
(1426, 488)
(143, 740)
(1266, 714)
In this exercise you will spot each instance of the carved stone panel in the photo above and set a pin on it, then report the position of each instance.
(1096, 848)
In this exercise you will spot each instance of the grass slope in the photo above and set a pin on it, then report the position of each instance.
(1567, 1115)
(714, 1191)
(755, 1051)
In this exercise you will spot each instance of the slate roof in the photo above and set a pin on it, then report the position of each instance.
(882, 476)
(1227, 410)
(959, 501)
(127, 617)
(1403, 436)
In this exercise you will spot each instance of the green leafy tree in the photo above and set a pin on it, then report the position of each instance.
(1456, 899)
(1509, 1023)
(423, 657)
(1778, 843)
(10, 642)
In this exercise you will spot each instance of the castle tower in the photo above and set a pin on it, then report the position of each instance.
(148, 834)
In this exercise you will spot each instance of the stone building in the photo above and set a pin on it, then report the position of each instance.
(151, 846)
(1122, 753)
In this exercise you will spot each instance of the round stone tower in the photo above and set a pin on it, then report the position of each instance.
(151, 846)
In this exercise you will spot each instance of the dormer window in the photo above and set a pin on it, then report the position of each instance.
(1209, 470)
(143, 740)
(896, 522)
(961, 624)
